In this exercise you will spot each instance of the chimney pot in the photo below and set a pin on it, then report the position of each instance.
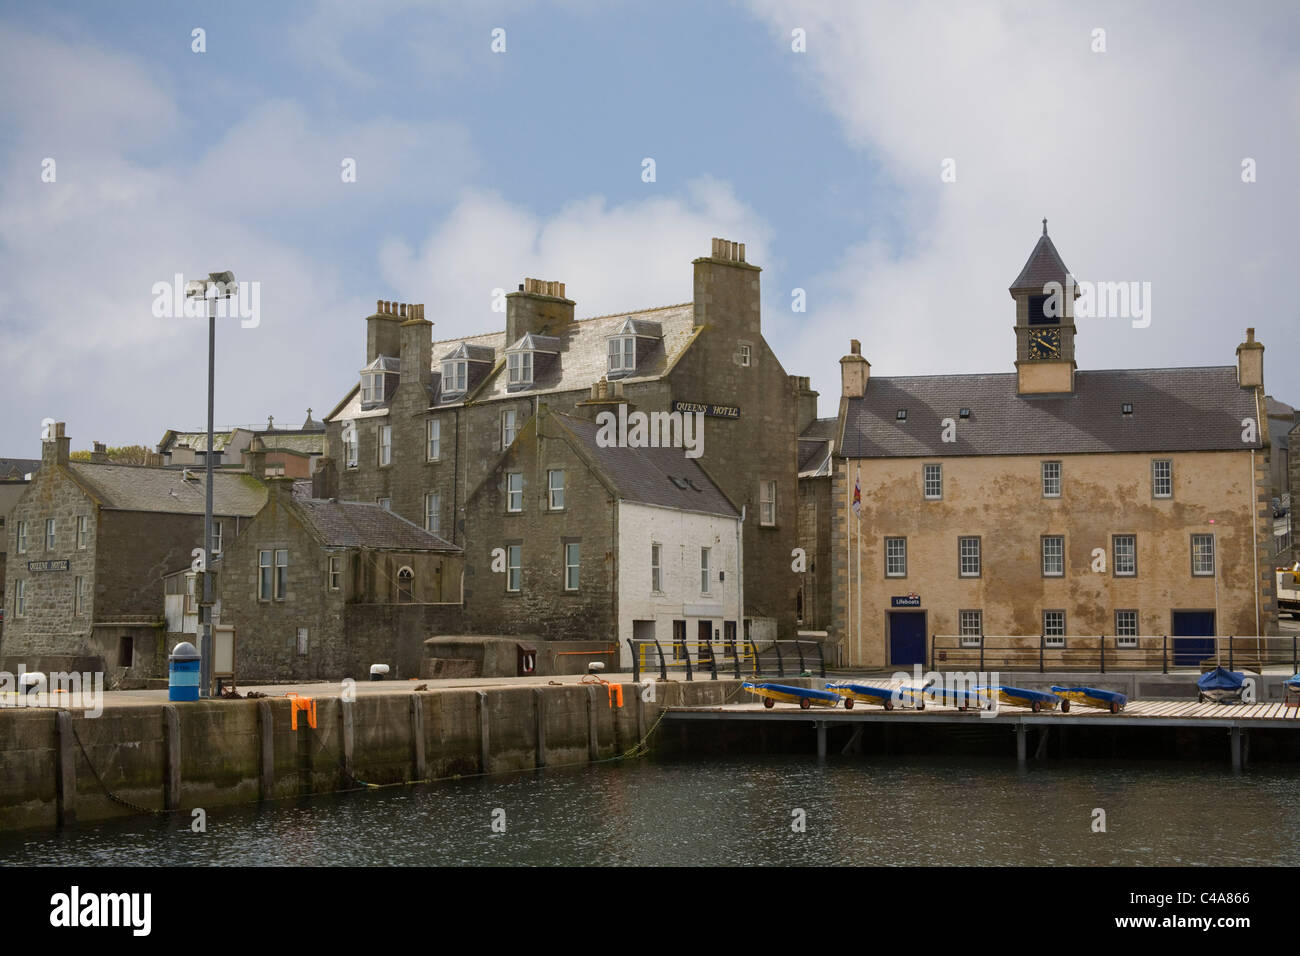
(855, 347)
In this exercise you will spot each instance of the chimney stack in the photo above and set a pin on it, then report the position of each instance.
(727, 290)
(417, 346)
(538, 307)
(54, 450)
(99, 454)
(854, 372)
(255, 458)
(805, 403)
(382, 330)
(1250, 362)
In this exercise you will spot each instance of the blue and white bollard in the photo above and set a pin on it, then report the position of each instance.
(183, 673)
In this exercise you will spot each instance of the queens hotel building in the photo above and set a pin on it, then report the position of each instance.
(1050, 502)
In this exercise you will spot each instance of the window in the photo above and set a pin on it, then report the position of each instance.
(1202, 554)
(555, 489)
(281, 574)
(1053, 556)
(264, 575)
(83, 533)
(515, 491)
(767, 503)
(1125, 555)
(216, 537)
(303, 641)
(49, 534)
(656, 568)
(1162, 477)
(1054, 628)
(21, 534)
(433, 512)
(125, 651)
(508, 427)
(372, 387)
(350, 445)
(933, 480)
(895, 557)
(519, 367)
(1051, 479)
(746, 356)
(1126, 628)
(704, 570)
(385, 503)
(453, 376)
(970, 625)
(622, 354)
(405, 585)
(433, 439)
(385, 445)
(514, 556)
(335, 578)
(571, 562)
(968, 557)
(20, 598)
(76, 595)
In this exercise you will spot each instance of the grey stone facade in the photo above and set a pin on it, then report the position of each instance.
(709, 351)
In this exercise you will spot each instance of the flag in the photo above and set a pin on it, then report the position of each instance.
(857, 499)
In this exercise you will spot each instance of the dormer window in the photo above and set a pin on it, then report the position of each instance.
(520, 368)
(622, 354)
(623, 344)
(375, 379)
(454, 376)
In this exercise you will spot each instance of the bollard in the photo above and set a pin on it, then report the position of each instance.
(183, 673)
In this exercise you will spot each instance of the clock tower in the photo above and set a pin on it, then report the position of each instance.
(1044, 294)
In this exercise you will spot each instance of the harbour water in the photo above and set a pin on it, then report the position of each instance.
(739, 811)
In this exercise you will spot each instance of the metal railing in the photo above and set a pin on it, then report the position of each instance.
(1098, 652)
(740, 657)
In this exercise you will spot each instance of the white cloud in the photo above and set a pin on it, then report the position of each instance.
(611, 258)
(1133, 154)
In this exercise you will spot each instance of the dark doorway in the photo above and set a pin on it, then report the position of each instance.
(704, 634)
(1193, 633)
(906, 638)
(679, 639)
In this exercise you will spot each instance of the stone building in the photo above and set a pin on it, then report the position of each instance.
(603, 542)
(294, 450)
(321, 589)
(89, 544)
(816, 444)
(1049, 501)
(15, 475)
(428, 421)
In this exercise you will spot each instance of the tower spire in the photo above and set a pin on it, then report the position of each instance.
(1044, 225)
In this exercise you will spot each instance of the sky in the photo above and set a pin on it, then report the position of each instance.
(892, 162)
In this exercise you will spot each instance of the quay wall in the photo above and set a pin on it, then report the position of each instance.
(59, 767)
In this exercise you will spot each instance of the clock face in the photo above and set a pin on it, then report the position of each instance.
(1045, 344)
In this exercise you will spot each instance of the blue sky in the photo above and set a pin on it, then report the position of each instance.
(475, 169)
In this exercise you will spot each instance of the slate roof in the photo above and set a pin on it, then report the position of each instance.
(1179, 409)
(198, 440)
(15, 468)
(582, 359)
(165, 490)
(358, 524)
(1043, 265)
(644, 475)
(814, 457)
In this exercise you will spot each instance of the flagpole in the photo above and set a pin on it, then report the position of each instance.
(857, 489)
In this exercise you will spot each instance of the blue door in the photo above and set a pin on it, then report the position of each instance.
(1193, 633)
(906, 638)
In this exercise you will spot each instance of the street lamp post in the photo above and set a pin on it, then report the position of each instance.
(218, 285)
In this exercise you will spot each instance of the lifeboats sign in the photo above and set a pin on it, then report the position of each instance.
(707, 409)
(905, 600)
(47, 565)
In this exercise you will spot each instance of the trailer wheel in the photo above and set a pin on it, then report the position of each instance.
(804, 703)
(769, 703)
(1114, 707)
(848, 703)
(920, 705)
(889, 704)
(1036, 706)
(1065, 706)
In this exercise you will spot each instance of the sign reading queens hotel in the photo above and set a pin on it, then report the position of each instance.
(710, 411)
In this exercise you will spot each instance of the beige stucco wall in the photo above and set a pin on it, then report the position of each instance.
(1000, 499)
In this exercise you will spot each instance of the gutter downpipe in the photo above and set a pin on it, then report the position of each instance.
(740, 580)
